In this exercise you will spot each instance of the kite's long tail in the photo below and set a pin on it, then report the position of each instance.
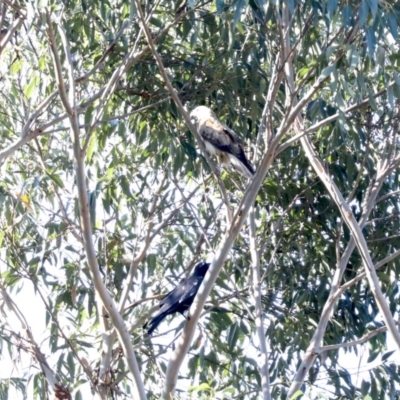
(243, 166)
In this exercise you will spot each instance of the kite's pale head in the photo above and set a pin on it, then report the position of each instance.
(201, 113)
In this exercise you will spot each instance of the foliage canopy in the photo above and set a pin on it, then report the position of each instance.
(156, 208)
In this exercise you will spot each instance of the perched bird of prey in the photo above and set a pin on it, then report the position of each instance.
(221, 141)
(179, 299)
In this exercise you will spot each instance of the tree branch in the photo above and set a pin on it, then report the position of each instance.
(326, 121)
(29, 135)
(146, 244)
(110, 89)
(82, 361)
(259, 320)
(10, 32)
(33, 346)
(216, 265)
(106, 299)
(354, 227)
(183, 112)
(362, 340)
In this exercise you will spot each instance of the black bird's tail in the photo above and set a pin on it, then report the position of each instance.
(153, 323)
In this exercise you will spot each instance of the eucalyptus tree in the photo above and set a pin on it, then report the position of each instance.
(108, 198)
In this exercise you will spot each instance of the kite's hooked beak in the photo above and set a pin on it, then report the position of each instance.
(193, 120)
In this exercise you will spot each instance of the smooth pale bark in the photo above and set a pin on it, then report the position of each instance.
(68, 100)
(259, 320)
(221, 255)
(346, 212)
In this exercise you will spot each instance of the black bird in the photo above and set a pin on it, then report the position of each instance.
(179, 299)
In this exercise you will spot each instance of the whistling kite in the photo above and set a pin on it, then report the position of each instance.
(221, 141)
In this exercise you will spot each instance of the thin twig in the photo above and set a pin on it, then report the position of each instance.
(362, 340)
(10, 32)
(34, 347)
